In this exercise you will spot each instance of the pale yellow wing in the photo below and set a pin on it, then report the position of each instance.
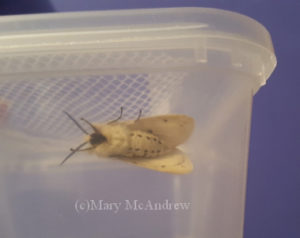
(172, 129)
(176, 163)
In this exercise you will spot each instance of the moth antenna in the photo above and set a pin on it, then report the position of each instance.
(76, 123)
(89, 148)
(73, 152)
(121, 114)
(140, 115)
(90, 124)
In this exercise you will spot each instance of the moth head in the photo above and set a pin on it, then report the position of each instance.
(96, 138)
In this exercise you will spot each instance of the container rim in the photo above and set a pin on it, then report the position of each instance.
(253, 27)
(147, 25)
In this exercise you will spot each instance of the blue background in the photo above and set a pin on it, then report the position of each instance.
(273, 191)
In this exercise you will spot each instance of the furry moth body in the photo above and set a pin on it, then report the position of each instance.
(149, 142)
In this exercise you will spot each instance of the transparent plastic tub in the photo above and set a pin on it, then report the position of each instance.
(204, 63)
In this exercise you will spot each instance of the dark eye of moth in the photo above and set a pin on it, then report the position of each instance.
(97, 138)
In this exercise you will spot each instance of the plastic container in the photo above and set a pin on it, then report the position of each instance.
(205, 63)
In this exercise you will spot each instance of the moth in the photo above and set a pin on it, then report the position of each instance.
(149, 142)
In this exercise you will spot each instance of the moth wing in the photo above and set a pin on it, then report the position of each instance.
(174, 163)
(173, 129)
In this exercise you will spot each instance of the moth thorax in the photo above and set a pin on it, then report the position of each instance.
(97, 138)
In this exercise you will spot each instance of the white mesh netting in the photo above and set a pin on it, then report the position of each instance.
(35, 106)
(36, 88)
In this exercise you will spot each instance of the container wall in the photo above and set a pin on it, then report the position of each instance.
(220, 152)
(204, 63)
(39, 197)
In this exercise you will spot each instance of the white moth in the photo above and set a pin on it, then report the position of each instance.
(149, 142)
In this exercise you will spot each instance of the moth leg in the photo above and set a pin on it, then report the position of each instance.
(121, 114)
(90, 124)
(140, 115)
(73, 152)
